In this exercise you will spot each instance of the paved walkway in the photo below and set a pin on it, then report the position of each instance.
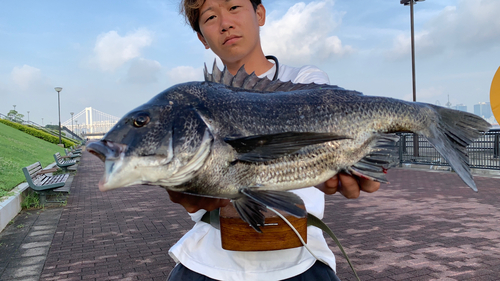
(422, 226)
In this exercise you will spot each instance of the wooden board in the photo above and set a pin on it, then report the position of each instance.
(237, 235)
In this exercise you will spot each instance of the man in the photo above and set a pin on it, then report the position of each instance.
(230, 28)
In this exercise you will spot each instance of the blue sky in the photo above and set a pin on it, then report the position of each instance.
(114, 57)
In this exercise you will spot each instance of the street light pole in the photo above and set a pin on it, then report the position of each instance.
(72, 122)
(413, 52)
(414, 82)
(58, 90)
(28, 117)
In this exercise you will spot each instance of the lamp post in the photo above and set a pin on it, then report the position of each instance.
(72, 121)
(28, 117)
(14, 107)
(76, 122)
(411, 3)
(58, 90)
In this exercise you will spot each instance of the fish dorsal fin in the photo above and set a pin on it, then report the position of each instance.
(246, 81)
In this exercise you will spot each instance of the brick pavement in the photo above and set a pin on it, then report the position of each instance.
(422, 226)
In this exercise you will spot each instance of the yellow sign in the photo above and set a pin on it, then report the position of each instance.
(495, 95)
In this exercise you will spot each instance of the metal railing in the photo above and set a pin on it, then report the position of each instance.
(69, 134)
(484, 153)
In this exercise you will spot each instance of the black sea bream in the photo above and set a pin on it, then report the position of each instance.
(250, 139)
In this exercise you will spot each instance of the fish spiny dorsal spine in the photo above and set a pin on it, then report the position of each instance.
(246, 81)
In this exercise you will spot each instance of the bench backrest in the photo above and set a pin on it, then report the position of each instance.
(33, 169)
(31, 174)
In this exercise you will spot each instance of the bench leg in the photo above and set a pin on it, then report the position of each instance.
(43, 199)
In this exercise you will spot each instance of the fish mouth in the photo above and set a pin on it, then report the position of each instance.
(107, 150)
(112, 154)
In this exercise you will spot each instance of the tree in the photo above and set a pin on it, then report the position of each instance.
(14, 116)
(52, 127)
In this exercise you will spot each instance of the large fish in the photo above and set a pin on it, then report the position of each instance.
(250, 139)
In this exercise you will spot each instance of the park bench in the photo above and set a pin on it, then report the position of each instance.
(63, 163)
(76, 149)
(71, 154)
(41, 183)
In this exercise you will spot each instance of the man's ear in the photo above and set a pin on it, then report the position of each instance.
(261, 14)
(202, 39)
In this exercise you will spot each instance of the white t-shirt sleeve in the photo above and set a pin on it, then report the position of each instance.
(309, 74)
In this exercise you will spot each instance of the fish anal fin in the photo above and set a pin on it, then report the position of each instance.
(375, 164)
(261, 148)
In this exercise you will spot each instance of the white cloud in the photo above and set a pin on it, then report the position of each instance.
(26, 76)
(304, 33)
(182, 74)
(431, 95)
(112, 50)
(143, 71)
(470, 26)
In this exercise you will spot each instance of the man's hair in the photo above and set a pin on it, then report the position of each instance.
(191, 11)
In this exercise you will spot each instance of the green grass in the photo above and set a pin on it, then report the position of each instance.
(18, 150)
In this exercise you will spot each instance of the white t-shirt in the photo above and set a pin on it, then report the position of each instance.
(200, 249)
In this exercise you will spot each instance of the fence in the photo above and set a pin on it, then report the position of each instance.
(484, 153)
(69, 134)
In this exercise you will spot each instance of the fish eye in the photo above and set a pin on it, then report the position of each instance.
(141, 120)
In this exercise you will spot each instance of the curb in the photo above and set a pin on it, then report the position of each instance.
(474, 171)
(10, 207)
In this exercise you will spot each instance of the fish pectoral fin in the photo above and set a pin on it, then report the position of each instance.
(253, 202)
(261, 148)
(375, 164)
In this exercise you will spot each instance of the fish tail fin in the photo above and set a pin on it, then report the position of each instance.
(451, 135)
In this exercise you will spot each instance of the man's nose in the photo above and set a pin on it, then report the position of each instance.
(226, 23)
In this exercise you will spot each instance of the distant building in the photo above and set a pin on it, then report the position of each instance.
(460, 107)
(483, 109)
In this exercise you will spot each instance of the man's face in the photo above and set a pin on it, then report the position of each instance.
(231, 28)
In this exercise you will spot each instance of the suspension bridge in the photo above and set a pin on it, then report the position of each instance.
(90, 123)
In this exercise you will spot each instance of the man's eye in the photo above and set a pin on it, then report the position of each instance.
(234, 8)
(210, 18)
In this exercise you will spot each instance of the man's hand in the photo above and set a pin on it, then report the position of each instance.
(193, 203)
(349, 186)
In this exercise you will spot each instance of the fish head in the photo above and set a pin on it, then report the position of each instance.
(156, 144)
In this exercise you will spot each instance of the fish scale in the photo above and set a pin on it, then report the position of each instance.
(251, 139)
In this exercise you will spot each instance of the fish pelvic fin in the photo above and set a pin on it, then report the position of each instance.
(253, 202)
(451, 135)
(374, 165)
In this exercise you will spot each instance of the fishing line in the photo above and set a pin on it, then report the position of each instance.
(318, 223)
(296, 232)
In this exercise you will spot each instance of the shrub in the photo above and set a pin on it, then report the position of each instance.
(37, 133)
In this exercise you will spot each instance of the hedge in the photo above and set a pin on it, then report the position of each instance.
(37, 133)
